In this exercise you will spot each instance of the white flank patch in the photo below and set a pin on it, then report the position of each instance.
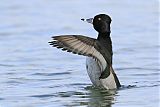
(94, 72)
(109, 82)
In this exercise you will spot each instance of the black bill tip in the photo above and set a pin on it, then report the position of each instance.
(83, 19)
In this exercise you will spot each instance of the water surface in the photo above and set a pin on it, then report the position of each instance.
(33, 74)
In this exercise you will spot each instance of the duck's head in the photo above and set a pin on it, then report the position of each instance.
(101, 23)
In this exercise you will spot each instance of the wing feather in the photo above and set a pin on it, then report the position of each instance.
(81, 45)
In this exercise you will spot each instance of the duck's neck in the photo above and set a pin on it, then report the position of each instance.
(105, 40)
(104, 36)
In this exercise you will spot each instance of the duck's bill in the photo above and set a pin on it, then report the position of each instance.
(90, 20)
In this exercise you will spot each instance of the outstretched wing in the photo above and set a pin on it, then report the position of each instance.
(81, 45)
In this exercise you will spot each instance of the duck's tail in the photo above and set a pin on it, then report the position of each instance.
(116, 78)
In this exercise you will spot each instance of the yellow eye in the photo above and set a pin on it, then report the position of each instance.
(99, 18)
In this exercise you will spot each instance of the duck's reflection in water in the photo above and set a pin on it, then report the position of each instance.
(90, 97)
(101, 98)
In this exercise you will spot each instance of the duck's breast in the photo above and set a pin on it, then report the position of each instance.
(93, 71)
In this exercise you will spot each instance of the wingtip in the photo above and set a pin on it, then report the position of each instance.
(53, 37)
(50, 42)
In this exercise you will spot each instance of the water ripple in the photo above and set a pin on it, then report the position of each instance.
(43, 95)
(137, 68)
(52, 74)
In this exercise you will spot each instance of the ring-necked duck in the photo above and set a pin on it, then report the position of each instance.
(98, 51)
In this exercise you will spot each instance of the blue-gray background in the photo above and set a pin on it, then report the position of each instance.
(33, 74)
